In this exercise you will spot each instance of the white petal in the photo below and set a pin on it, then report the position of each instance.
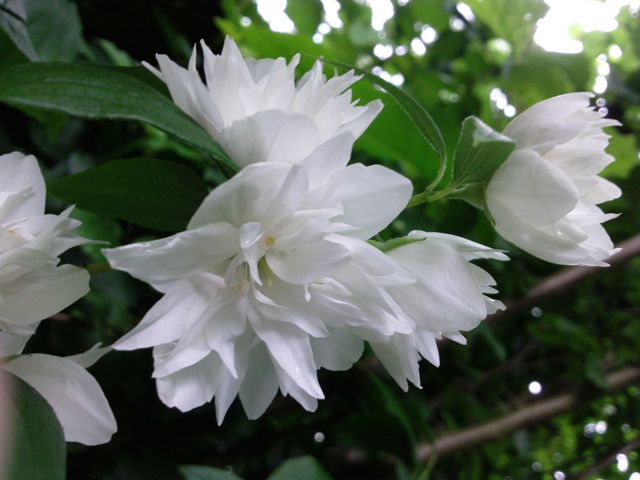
(290, 349)
(328, 158)
(546, 124)
(470, 250)
(43, 293)
(400, 358)
(270, 136)
(72, 392)
(531, 189)
(371, 197)
(19, 173)
(163, 262)
(260, 383)
(91, 356)
(13, 344)
(308, 263)
(337, 352)
(447, 296)
(428, 347)
(373, 262)
(244, 198)
(549, 244)
(173, 314)
(193, 386)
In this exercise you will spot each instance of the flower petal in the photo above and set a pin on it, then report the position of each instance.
(193, 386)
(173, 314)
(260, 383)
(308, 263)
(372, 197)
(42, 293)
(72, 392)
(270, 136)
(165, 261)
(290, 349)
(447, 296)
(21, 173)
(244, 198)
(338, 351)
(532, 189)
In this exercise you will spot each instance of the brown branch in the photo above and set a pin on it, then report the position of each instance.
(564, 280)
(530, 414)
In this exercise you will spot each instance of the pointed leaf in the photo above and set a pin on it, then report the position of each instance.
(91, 91)
(149, 192)
(301, 467)
(416, 112)
(480, 151)
(200, 472)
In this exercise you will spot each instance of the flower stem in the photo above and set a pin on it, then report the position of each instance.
(97, 268)
(394, 243)
(427, 196)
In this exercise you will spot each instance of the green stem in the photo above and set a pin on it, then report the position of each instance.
(97, 268)
(394, 243)
(427, 196)
(442, 168)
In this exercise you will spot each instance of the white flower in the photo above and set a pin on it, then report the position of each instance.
(448, 298)
(543, 198)
(73, 393)
(32, 284)
(272, 280)
(255, 110)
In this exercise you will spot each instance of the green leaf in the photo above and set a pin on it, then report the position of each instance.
(305, 15)
(152, 193)
(513, 21)
(199, 472)
(414, 110)
(395, 408)
(625, 150)
(307, 468)
(480, 151)
(61, 17)
(91, 91)
(96, 227)
(10, 54)
(391, 137)
(498, 348)
(38, 450)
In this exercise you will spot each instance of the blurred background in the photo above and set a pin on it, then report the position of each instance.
(548, 390)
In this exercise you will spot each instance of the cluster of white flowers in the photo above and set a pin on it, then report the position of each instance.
(275, 276)
(33, 287)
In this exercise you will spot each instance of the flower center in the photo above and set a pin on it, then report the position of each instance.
(270, 241)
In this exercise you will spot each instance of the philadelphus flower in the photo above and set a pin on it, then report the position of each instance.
(32, 284)
(448, 297)
(543, 198)
(73, 393)
(272, 280)
(255, 109)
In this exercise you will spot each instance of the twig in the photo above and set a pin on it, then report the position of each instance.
(606, 461)
(530, 414)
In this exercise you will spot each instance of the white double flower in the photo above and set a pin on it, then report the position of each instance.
(273, 278)
(33, 287)
(544, 197)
